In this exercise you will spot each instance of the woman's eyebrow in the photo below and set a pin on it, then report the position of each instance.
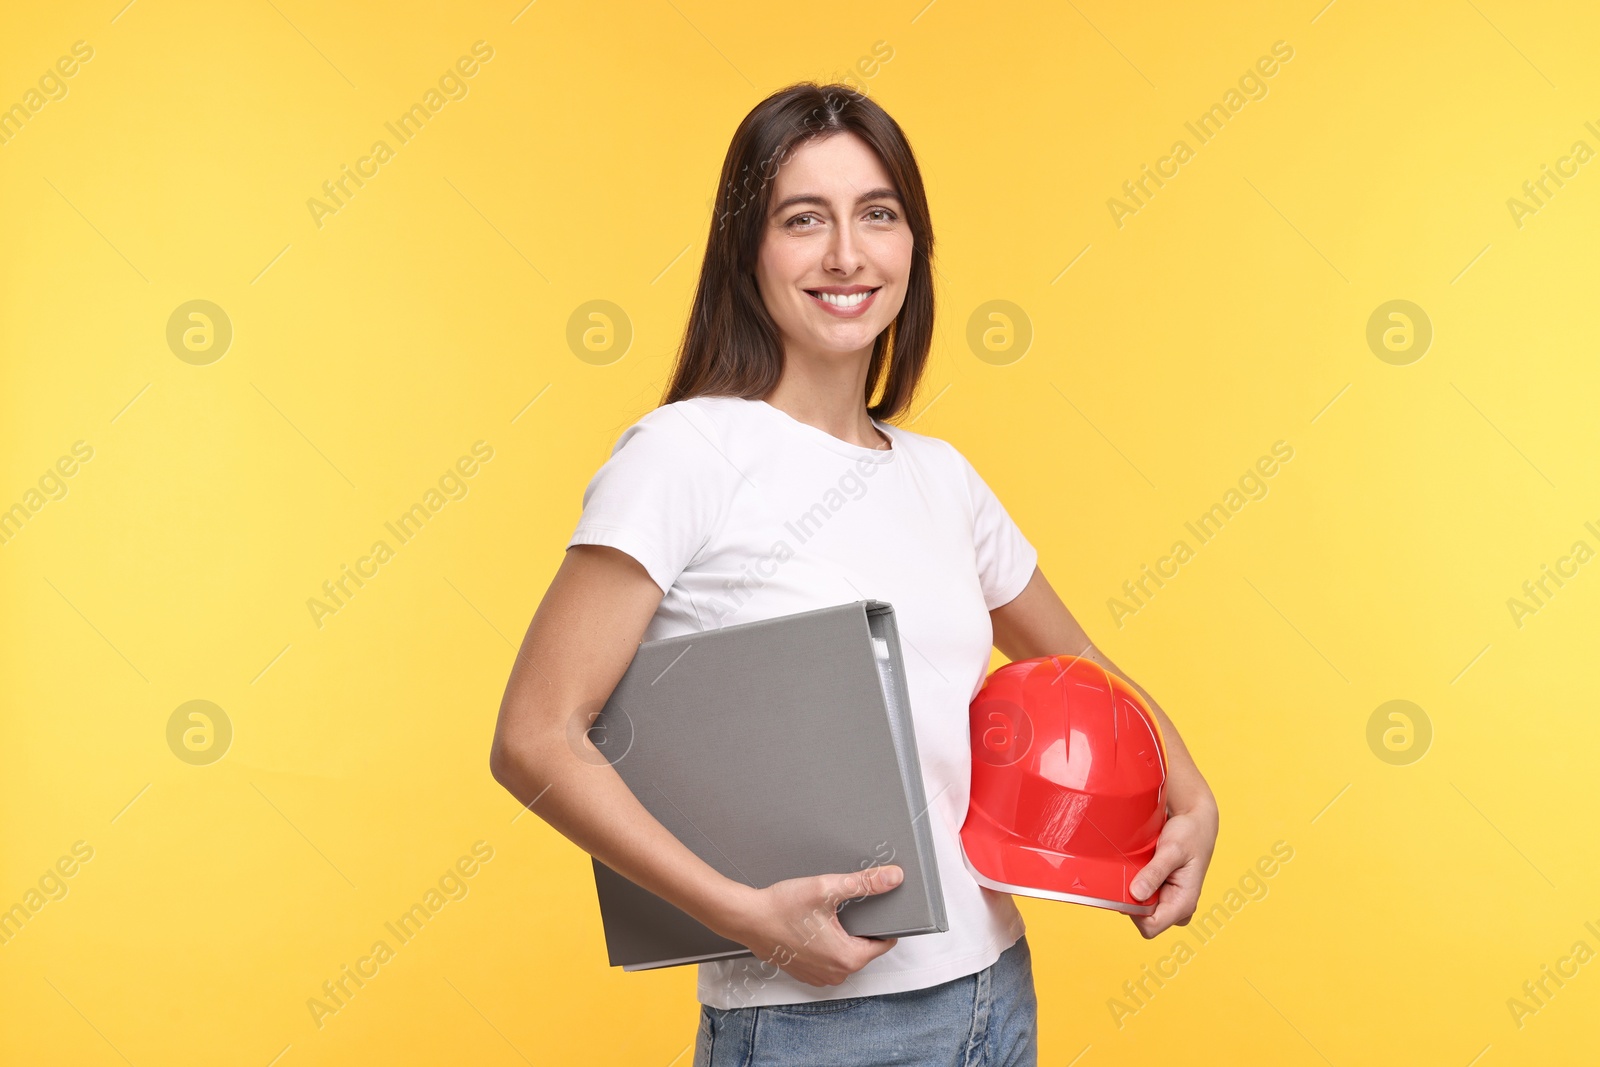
(813, 198)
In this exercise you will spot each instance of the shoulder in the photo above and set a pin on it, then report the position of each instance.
(954, 468)
(682, 442)
(683, 424)
(935, 450)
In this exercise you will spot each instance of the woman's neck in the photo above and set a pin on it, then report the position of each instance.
(834, 404)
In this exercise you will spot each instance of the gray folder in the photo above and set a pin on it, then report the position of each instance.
(772, 749)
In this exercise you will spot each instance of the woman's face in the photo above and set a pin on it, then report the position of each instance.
(836, 226)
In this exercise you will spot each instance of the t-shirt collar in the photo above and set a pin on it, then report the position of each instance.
(827, 440)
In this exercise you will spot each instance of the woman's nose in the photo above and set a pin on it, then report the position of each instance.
(843, 252)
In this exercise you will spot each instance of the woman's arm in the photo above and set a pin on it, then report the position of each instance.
(1036, 623)
(581, 640)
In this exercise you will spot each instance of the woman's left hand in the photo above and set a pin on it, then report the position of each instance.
(1183, 852)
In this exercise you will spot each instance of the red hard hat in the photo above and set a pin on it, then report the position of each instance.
(1069, 777)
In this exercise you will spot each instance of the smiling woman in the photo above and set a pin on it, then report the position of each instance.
(851, 218)
(734, 500)
(737, 498)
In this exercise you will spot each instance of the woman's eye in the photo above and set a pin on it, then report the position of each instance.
(888, 216)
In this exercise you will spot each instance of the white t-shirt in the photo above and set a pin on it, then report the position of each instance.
(741, 512)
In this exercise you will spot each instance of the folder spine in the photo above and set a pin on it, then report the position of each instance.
(882, 626)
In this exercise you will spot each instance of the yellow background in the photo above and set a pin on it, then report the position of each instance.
(432, 312)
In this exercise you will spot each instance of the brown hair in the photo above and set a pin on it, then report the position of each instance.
(731, 346)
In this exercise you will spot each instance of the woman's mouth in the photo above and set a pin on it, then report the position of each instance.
(844, 307)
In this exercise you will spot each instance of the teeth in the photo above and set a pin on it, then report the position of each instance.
(844, 301)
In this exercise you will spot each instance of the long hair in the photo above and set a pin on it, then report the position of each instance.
(731, 346)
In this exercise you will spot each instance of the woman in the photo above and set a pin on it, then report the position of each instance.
(770, 482)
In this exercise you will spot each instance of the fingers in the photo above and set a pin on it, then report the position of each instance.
(860, 951)
(877, 946)
(817, 949)
(1158, 920)
(864, 883)
(1175, 905)
(1167, 909)
(837, 957)
(838, 953)
(1169, 855)
(1175, 874)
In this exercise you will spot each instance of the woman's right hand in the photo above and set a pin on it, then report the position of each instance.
(794, 924)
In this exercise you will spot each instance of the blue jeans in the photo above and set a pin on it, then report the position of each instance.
(987, 1019)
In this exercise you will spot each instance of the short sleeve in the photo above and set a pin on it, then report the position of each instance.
(655, 498)
(1005, 558)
